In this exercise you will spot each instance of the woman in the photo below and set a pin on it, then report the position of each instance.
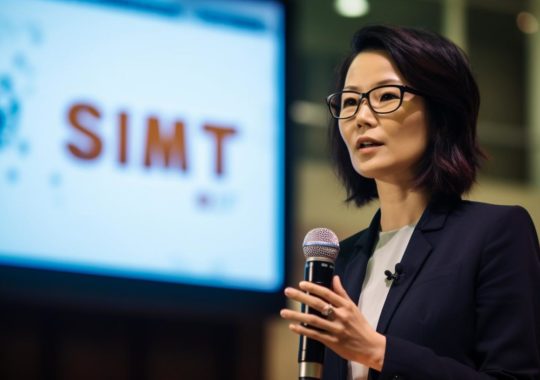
(464, 301)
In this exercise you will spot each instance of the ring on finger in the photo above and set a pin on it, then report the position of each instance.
(328, 312)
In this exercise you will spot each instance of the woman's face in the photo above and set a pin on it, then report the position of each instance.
(385, 147)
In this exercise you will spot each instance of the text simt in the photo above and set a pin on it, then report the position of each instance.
(168, 150)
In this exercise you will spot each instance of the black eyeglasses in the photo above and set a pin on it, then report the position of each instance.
(382, 99)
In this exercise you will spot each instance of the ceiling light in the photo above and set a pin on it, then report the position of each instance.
(527, 22)
(351, 8)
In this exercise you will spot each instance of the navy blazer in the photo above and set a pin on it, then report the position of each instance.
(467, 305)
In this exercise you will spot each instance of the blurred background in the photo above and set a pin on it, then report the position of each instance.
(502, 39)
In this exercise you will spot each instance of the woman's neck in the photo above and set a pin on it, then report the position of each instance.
(400, 205)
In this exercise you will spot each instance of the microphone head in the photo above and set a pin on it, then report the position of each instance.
(321, 243)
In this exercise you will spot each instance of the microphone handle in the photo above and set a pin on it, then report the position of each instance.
(310, 351)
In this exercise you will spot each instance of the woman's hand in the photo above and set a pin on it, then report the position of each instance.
(345, 331)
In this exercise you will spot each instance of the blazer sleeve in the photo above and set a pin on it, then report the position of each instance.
(507, 309)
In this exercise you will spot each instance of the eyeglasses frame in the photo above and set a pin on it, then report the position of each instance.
(365, 95)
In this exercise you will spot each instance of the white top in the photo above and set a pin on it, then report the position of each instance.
(388, 252)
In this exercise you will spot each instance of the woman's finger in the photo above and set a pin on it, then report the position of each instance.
(339, 289)
(324, 293)
(321, 336)
(305, 298)
(308, 319)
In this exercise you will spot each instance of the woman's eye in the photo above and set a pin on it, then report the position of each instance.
(388, 96)
(350, 102)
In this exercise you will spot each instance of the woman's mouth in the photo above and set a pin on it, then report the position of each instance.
(363, 144)
(368, 144)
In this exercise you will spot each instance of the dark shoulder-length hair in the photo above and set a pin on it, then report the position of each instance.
(439, 69)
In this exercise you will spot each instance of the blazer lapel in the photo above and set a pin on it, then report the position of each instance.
(413, 259)
(355, 272)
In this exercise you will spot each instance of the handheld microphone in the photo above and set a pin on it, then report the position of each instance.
(321, 247)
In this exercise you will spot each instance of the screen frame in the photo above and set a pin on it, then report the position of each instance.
(59, 289)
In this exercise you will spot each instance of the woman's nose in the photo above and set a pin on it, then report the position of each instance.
(364, 114)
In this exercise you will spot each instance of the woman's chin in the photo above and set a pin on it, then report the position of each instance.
(388, 176)
(369, 171)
